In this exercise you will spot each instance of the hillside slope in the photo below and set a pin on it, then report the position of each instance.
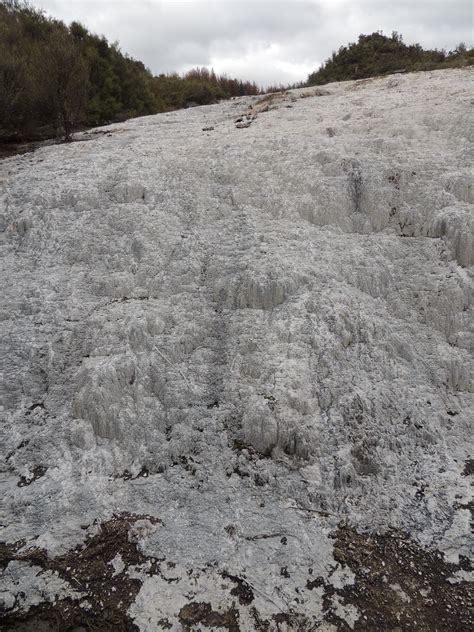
(237, 366)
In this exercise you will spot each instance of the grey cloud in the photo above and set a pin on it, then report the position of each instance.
(270, 42)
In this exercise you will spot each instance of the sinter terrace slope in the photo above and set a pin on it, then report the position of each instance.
(237, 366)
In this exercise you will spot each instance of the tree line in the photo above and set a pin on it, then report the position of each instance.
(55, 78)
(377, 54)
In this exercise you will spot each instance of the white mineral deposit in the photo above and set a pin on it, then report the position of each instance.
(231, 349)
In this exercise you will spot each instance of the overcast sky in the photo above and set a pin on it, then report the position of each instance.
(266, 41)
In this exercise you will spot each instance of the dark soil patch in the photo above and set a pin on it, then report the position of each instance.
(88, 570)
(284, 622)
(421, 598)
(16, 149)
(126, 476)
(38, 472)
(468, 468)
(242, 590)
(398, 587)
(202, 613)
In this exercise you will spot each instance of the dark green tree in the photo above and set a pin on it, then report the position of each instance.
(63, 74)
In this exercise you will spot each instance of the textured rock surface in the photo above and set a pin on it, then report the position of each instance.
(244, 337)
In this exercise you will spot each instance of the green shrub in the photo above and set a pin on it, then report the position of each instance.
(377, 54)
